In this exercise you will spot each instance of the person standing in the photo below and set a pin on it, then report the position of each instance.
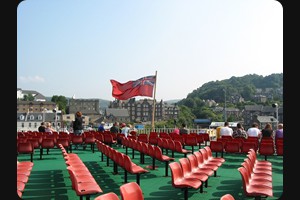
(226, 130)
(78, 123)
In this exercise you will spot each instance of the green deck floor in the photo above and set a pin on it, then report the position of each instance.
(49, 178)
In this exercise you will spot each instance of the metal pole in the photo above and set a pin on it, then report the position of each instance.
(225, 114)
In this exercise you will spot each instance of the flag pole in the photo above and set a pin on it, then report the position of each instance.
(153, 107)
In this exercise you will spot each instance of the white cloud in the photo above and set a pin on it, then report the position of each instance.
(33, 79)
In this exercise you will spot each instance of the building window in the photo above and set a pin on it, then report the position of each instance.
(31, 117)
(22, 117)
(40, 117)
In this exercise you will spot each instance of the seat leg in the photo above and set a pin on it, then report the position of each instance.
(167, 166)
(185, 190)
(138, 179)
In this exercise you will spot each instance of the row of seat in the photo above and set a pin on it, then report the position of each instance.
(120, 160)
(256, 176)
(194, 171)
(265, 147)
(23, 172)
(163, 143)
(128, 191)
(83, 182)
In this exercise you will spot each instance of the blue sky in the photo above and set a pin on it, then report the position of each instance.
(74, 47)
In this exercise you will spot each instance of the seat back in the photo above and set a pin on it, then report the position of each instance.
(143, 137)
(266, 149)
(227, 197)
(193, 161)
(185, 165)
(158, 153)
(191, 140)
(176, 171)
(178, 146)
(25, 147)
(216, 146)
(108, 196)
(48, 143)
(245, 178)
(131, 191)
(151, 151)
(153, 139)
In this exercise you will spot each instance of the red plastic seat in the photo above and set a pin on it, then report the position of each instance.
(180, 149)
(227, 197)
(250, 190)
(247, 145)
(256, 176)
(279, 149)
(179, 181)
(130, 191)
(217, 147)
(195, 168)
(143, 137)
(108, 196)
(153, 139)
(266, 149)
(47, 143)
(188, 173)
(191, 140)
(108, 139)
(164, 158)
(210, 156)
(232, 147)
(132, 168)
(90, 140)
(207, 159)
(203, 165)
(26, 148)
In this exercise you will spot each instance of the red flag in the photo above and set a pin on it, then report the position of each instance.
(141, 87)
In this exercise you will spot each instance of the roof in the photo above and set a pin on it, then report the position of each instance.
(117, 112)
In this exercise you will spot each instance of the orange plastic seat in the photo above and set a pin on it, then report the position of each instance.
(130, 191)
(266, 149)
(179, 181)
(250, 190)
(26, 148)
(164, 158)
(211, 157)
(227, 197)
(180, 149)
(217, 147)
(188, 173)
(132, 168)
(108, 196)
(195, 168)
(191, 140)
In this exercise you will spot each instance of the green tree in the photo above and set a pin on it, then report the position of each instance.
(28, 97)
(61, 102)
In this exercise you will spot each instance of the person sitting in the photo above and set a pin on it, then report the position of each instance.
(42, 127)
(101, 127)
(254, 131)
(49, 128)
(279, 131)
(226, 130)
(239, 132)
(183, 129)
(267, 131)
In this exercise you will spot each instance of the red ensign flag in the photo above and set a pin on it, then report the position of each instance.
(141, 87)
